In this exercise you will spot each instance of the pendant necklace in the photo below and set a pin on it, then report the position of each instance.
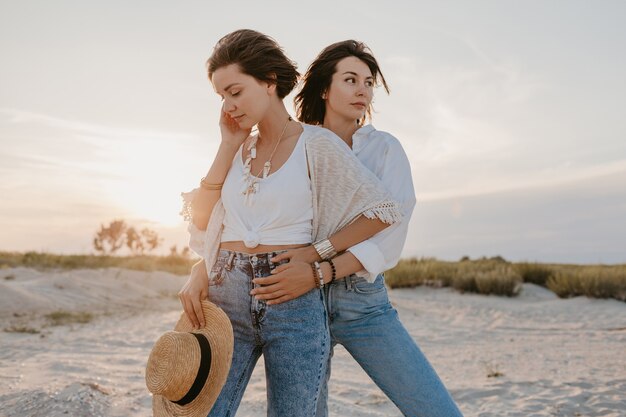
(251, 182)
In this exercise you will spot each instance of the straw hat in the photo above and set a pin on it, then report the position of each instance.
(187, 368)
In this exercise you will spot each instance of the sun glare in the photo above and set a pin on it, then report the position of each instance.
(155, 204)
(148, 185)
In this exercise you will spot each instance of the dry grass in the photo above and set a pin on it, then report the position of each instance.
(175, 264)
(488, 278)
(534, 273)
(485, 276)
(596, 281)
(21, 329)
(499, 277)
(492, 370)
(62, 318)
(413, 272)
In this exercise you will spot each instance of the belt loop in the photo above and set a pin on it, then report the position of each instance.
(269, 257)
(348, 281)
(229, 262)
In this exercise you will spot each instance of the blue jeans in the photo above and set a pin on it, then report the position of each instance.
(364, 322)
(293, 338)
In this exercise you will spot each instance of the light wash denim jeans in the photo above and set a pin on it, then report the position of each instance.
(364, 322)
(293, 338)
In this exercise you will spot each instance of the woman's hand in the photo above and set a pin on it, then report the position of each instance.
(231, 132)
(195, 290)
(288, 281)
(306, 254)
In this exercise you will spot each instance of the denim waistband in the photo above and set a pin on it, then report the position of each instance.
(242, 257)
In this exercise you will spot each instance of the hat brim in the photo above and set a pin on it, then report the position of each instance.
(219, 332)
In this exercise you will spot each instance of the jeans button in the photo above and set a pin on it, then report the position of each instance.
(254, 258)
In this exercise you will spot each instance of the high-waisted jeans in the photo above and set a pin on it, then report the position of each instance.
(364, 322)
(293, 338)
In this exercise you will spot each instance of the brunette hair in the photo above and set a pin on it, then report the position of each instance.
(257, 55)
(310, 106)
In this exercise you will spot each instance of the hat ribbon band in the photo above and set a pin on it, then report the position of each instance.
(203, 371)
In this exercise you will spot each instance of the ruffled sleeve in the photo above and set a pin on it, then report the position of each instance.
(197, 237)
(387, 212)
(205, 243)
(187, 200)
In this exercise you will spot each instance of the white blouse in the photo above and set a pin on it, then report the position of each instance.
(279, 213)
(335, 203)
(383, 155)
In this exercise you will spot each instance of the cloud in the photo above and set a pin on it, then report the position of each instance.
(89, 130)
(37, 143)
(478, 124)
(456, 110)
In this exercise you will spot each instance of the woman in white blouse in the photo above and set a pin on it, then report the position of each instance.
(263, 194)
(337, 94)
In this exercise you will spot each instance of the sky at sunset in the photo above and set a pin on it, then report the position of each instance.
(512, 115)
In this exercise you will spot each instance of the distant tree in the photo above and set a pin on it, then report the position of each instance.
(109, 240)
(134, 241)
(151, 239)
(185, 252)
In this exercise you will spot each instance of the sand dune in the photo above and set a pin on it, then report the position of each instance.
(554, 357)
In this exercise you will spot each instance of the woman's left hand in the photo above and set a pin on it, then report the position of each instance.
(288, 281)
(306, 254)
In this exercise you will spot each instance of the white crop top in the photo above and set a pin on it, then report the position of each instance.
(279, 213)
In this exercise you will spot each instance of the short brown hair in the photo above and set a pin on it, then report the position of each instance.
(310, 107)
(257, 55)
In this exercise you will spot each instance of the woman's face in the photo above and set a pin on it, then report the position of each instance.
(351, 90)
(245, 98)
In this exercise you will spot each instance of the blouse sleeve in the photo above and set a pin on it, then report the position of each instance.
(205, 243)
(197, 237)
(382, 251)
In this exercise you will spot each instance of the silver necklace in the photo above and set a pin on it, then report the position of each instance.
(251, 182)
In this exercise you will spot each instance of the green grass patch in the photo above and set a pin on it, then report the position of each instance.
(61, 318)
(21, 329)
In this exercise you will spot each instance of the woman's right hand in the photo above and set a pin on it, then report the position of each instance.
(195, 290)
(232, 134)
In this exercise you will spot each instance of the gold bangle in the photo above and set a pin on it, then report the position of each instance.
(208, 186)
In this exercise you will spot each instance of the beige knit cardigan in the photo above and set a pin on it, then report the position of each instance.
(342, 188)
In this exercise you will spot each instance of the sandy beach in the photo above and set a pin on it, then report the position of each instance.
(533, 355)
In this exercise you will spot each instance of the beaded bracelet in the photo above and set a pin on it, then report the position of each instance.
(317, 284)
(332, 267)
(320, 274)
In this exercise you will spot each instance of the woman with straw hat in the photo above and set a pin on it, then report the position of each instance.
(187, 367)
(285, 187)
